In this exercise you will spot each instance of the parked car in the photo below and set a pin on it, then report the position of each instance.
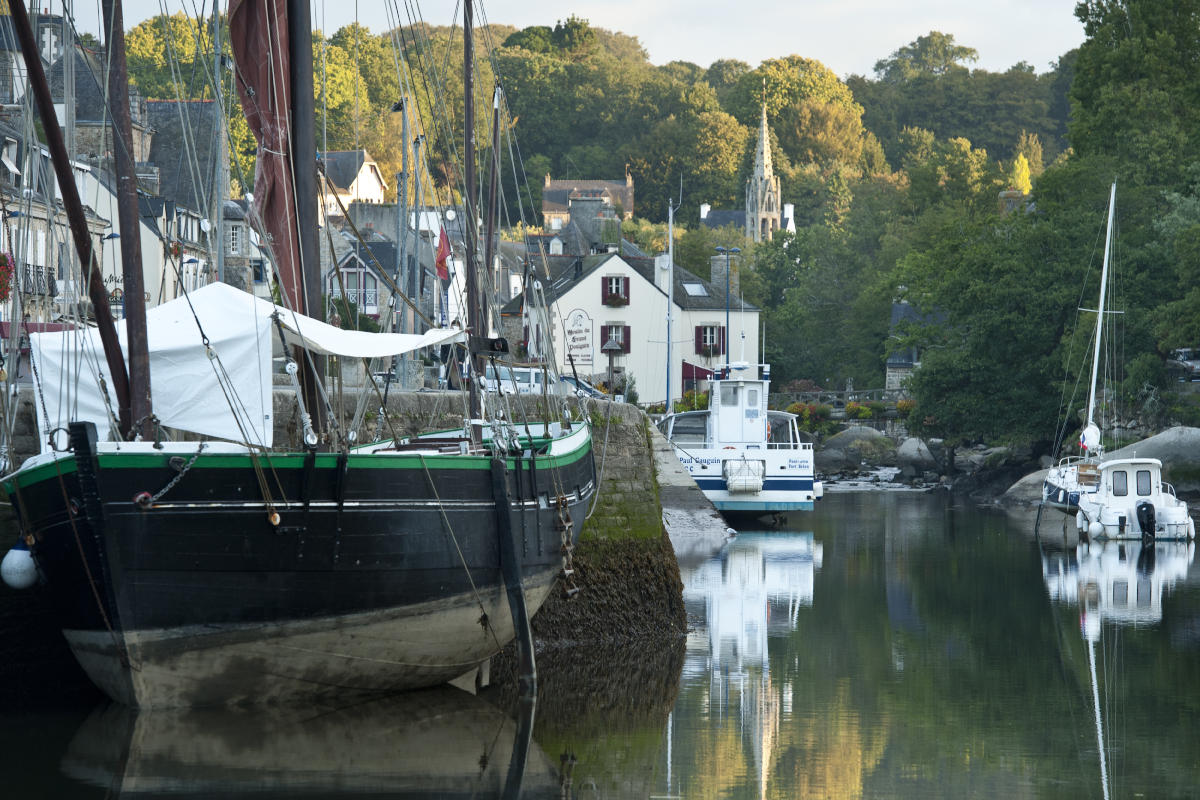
(1184, 363)
(581, 387)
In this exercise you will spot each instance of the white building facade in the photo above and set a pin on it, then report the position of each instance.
(625, 299)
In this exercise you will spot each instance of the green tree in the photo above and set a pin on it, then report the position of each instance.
(935, 53)
(1135, 85)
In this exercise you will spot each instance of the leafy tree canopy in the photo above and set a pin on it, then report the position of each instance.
(935, 53)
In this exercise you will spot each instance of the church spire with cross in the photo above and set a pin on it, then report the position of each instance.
(762, 190)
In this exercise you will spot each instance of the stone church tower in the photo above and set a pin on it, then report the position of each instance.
(762, 190)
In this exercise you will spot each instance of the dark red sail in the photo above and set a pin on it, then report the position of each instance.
(259, 40)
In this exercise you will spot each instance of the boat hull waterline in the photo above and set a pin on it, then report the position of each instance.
(386, 576)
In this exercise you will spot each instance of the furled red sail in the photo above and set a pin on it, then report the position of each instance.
(258, 34)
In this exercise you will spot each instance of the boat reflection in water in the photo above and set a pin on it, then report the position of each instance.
(434, 743)
(755, 588)
(1118, 583)
(756, 585)
(1114, 581)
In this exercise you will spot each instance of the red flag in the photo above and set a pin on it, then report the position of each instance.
(443, 253)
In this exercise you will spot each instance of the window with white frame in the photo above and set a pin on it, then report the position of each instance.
(235, 240)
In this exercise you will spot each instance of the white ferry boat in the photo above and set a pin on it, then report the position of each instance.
(742, 456)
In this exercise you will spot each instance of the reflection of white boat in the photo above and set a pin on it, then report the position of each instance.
(756, 586)
(1115, 581)
(435, 743)
(1118, 583)
(742, 456)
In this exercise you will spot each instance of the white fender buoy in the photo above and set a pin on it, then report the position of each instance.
(18, 568)
(1096, 529)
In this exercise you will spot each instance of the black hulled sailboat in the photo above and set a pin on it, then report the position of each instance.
(221, 571)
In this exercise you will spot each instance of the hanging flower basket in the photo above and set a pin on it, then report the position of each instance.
(6, 274)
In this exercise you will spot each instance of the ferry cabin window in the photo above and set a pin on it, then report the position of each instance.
(781, 433)
(752, 398)
(1120, 483)
(1143, 483)
(689, 430)
(729, 396)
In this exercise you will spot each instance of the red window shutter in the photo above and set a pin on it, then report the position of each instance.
(603, 337)
(604, 290)
(721, 335)
(625, 288)
(625, 337)
(699, 340)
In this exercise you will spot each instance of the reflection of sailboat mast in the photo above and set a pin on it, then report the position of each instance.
(1099, 723)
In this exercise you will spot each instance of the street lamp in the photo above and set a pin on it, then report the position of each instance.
(726, 252)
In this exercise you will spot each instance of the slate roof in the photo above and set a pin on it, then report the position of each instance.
(342, 166)
(564, 276)
(384, 251)
(89, 85)
(557, 194)
(906, 314)
(185, 149)
(719, 219)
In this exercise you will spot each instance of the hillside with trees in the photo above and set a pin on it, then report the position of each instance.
(895, 179)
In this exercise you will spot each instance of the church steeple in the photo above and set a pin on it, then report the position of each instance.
(763, 168)
(762, 190)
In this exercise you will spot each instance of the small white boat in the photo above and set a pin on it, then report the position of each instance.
(742, 456)
(1131, 501)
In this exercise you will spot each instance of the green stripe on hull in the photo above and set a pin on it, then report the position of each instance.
(285, 460)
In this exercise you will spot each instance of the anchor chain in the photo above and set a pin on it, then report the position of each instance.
(565, 526)
(146, 500)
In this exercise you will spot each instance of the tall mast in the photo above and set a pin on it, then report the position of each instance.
(1112, 209)
(667, 407)
(74, 208)
(493, 181)
(475, 316)
(127, 212)
(304, 183)
(304, 153)
(221, 163)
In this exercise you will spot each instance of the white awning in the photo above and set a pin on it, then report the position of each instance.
(228, 396)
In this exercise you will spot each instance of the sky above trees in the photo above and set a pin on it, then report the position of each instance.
(848, 36)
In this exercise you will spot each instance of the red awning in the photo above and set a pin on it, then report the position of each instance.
(691, 372)
(34, 327)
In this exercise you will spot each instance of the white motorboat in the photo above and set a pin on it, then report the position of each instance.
(1131, 501)
(744, 457)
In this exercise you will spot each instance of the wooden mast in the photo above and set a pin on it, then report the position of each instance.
(74, 208)
(304, 184)
(476, 318)
(133, 283)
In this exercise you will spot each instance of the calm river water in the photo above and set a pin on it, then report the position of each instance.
(887, 645)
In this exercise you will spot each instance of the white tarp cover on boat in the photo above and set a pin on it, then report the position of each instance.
(190, 391)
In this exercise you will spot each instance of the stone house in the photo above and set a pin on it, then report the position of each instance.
(608, 200)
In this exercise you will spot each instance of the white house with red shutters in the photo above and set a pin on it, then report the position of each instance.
(624, 298)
